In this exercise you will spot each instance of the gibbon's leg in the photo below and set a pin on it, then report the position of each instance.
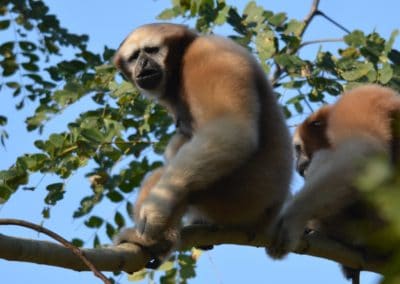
(327, 189)
(162, 245)
(214, 151)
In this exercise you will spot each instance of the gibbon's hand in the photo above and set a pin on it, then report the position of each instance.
(286, 232)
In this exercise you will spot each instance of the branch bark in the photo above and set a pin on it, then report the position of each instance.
(131, 258)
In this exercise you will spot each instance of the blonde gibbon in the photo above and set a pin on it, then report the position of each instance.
(331, 147)
(234, 165)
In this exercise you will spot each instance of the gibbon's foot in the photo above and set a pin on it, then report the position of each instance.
(210, 247)
(212, 227)
(157, 249)
(152, 218)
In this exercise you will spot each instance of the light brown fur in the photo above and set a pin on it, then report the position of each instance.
(334, 143)
(235, 168)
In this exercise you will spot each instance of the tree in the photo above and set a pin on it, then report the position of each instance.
(115, 139)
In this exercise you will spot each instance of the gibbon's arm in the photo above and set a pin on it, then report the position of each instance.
(328, 189)
(330, 178)
(174, 144)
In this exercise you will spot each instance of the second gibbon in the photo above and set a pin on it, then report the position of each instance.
(230, 162)
(331, 147)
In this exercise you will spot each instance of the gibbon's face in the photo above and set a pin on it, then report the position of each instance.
(309, 137)
(142, 56)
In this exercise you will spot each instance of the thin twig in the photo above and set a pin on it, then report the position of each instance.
(60, 239)
(333, 21)
(323, 40)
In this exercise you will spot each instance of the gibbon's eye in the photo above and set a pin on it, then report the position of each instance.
(134, 56)
(316, 123)
(151, 49)
(297, 149)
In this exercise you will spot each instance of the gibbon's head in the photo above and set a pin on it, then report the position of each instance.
(309, 137)
(150, 57)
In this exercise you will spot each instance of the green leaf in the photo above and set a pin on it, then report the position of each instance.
(34, 162)
(294, 27)
(119, 220)
(167, 14)
(390, 42)
(169, 277)
(4, 24)
(110, 231)
(96, 242)
(30, 67)
(168, 265)
(57, 140)
(137, 276)
(265, 44)
(13, 85)
(3, 120)
(385, 73)
(65, 97)
(356, 38)
(361, 69)
(253, 13)
(27, 45)
(56, 193)
(77, 242)
(9, 65)
(6, 49)
(187, 265)
(86, 205)
(14, 177)
(94, 222)
(277, 19)
(46, 212)
(5, 193)
(222, 16)
(93, 135)
(115, 196)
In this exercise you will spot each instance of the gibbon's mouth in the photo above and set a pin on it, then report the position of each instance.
(148, 73)
(302, 167)
(148, 78)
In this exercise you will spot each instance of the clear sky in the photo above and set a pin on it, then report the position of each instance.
(107, 23)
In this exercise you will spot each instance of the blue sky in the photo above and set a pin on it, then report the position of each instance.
(107, 23)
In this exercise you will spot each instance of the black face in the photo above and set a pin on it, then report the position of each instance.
(147, 72)
(302, 160)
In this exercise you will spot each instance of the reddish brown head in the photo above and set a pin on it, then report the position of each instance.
(310, 136)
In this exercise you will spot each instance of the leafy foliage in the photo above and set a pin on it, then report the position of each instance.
(114, 140)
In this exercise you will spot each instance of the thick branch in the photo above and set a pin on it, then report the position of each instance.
(311, 14)
(130, 258)
(75, 250)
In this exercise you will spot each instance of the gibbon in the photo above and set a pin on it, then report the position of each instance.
(234, 166)
(331, 147)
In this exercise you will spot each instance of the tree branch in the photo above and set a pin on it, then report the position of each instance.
(131, 258)
(307, 20)
(311, 14)
(75, 250)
